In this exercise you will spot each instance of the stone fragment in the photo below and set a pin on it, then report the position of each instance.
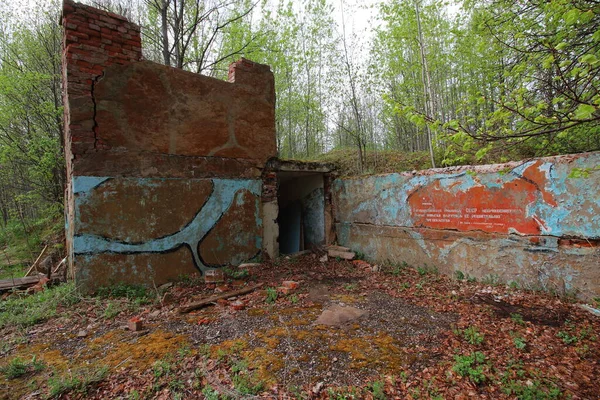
(284, 290)
(361, 264)
(222, 289)
(338, 248)
(292, 285)
(590, 309)
(337, 315)
(249, 265)
(317, 388)
(238, 305)
(346, 255)
(324, 258)
(82, 333)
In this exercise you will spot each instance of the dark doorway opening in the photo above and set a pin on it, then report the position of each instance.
(301, 199)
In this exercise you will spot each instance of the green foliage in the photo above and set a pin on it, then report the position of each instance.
(28, 310)
(138, 293)
(491, 279)
(472, 335)
(570, 336)
(79, 381)
(470, 366)
(210, 393)
(519, 342)
(377, 389)
(343, 393)
(236, 273)
(425, 269)
(459, 275)
(515, 381)
(397, 268)
(112, 310)
(517, 318)
(30, 117)
(271, 295)
(247, 383)
(17, 367)
(294, 298)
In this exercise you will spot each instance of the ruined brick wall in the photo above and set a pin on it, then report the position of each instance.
(536, 223)
(164, 166)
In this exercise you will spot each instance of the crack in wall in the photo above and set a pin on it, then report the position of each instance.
(94, 113)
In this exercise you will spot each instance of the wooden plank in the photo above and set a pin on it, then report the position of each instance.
(210, 300)
(36, 262)
(16, 283)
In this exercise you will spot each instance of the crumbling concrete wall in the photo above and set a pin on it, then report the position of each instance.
(536, 223)
(164, 166)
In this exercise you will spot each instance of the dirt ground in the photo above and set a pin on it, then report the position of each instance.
(419, 335)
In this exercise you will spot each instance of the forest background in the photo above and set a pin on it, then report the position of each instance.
(424, 83)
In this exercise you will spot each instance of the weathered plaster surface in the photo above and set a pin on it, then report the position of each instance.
(207, 217)
(156, 108)
(536, 222)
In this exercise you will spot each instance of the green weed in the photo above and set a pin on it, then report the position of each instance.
(210, 393)
(247, 384)
(79, 382)
(28, 310)
(112, 310)
(342, 393)
(377, 390)
(17, 367)
(137, 293)
(471, 335)
(519, 342)
(470, 366)
(271, 295)
(236, 273)
(517, 318)
(491, 279)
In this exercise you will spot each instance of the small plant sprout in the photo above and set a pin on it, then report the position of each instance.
(271, 295)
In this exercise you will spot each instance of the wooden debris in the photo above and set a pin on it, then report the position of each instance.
(36, 262)
(213, 299)
(60, 264)
(22, 283)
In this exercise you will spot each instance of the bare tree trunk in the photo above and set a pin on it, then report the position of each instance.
(164, 21)
(428, 97)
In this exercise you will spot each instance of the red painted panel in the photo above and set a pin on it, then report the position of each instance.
(481, 208)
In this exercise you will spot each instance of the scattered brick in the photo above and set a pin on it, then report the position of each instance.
(214, 276)
(135, 324)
